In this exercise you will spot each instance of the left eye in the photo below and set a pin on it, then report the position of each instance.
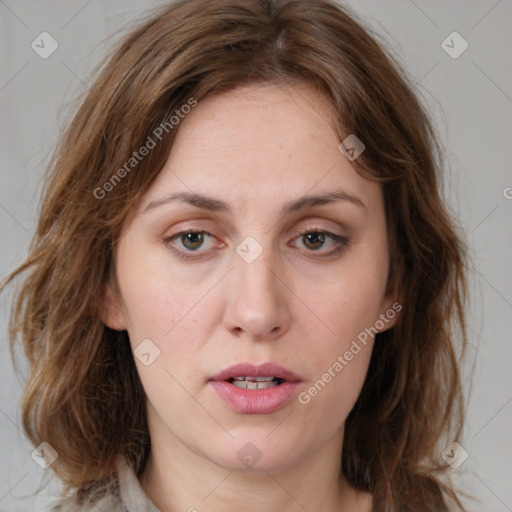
(315, 240)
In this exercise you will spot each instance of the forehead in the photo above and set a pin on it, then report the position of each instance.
(275, 115)
(257, 142)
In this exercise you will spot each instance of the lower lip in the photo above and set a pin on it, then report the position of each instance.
(257, 401)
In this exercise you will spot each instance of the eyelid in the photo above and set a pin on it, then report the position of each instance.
(169, 239)
(341, 242)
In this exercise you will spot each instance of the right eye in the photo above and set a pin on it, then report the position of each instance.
(190, 241)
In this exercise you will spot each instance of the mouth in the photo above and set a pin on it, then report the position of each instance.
(250, 376)
(255, 389)
(255, 382)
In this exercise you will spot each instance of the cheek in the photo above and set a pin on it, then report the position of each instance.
(156, 298)
(345, 308)
(339, 365)
(339, 357)
(327, 402)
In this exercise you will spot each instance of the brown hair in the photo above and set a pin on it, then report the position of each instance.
(83, 395)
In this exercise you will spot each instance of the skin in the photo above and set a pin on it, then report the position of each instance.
(256, 148)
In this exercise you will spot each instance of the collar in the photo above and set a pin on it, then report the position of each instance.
(132, 495)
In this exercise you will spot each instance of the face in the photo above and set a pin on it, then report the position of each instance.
(251, 281)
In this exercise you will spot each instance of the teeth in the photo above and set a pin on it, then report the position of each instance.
(257, 379)
(254, 382)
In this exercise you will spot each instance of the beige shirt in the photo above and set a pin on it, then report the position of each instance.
(131, 497)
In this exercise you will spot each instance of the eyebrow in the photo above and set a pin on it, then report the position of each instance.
(217, 205)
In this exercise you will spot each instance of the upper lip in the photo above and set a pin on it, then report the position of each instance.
(261, 370)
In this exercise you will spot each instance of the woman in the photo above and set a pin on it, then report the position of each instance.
(243, 286)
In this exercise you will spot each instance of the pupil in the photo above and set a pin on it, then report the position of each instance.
(315, 239)
(193, 240)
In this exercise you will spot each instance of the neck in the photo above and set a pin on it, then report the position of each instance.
(177, 479)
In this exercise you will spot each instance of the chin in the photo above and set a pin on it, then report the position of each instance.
(255, 453)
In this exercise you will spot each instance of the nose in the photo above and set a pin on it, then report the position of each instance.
(257, 303)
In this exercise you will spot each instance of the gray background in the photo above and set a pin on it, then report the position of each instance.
(471, 99)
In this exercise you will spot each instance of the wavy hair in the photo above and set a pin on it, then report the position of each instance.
(83, 395)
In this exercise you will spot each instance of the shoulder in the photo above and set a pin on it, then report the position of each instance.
(123, 493)
(451, 506)
(105, 498)
(110, 503)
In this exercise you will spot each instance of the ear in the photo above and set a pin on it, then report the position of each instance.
(111, 311)
(390, 311)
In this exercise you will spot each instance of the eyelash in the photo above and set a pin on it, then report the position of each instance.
(341, 243)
